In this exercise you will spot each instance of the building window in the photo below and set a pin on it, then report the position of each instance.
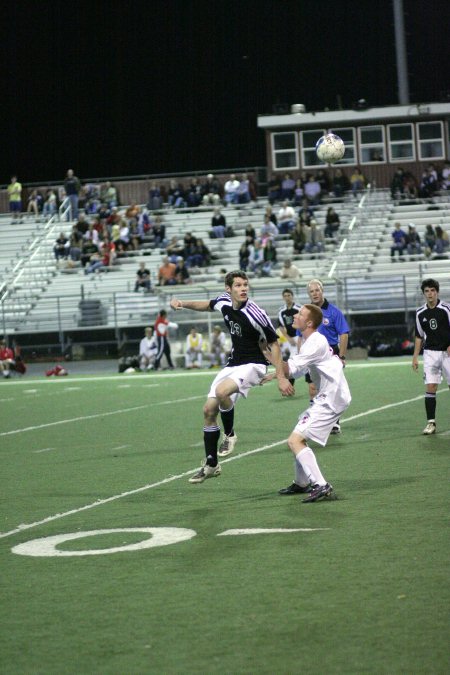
(308, 140)
(284, 150)
(401, 142)
(431, 140)
(371, 145)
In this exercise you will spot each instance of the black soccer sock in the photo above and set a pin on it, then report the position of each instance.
(430, 405)
(292, 381)
(211, 437)
(227, 421)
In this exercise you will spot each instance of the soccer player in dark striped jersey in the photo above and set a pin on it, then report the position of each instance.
(433, 334)
(250, 329)
(286, 315)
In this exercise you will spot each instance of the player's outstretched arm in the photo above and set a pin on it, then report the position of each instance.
(196, 305)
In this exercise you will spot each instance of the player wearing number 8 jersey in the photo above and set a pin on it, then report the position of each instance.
(433, 334)
(248, 325)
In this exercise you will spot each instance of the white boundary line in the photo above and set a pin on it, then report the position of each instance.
(170, 479)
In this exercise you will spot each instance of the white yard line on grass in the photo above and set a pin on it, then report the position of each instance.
(170, 479)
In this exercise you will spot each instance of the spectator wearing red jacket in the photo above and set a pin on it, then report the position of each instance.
(6, 359)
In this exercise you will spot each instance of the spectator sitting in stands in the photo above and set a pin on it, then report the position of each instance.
(132, 215)
(218, 225)
(305, 213)
(175, 197)
(250, 233)
(50, 204)
(231, 188)
(88, 249)
(244, 190)
(286, 218)
(290, 271)
(357, 181)
(182, 275)
(101, 260)
(429, 240)
(445, 176)
(91, 233)
(159, 233)
(314, 238)
(193, 355)
(287, 187)
(441, 245)
(298, 236)
(82, 224)
(217, 348)
(410, 185)
(299, 192)
(203, 252)
(332, 223)
(124, 235)
(413, 243)
(103, 214)
(429, 184)
(274, 190)
(61, 247)
(35, 203)
(398, 242)
(148, 349)
(270, 258)
(108, 195)
(194, 193)
(312, 191)
(174, 249)
(75, 244)
(272, 217)
(340, 183)
(398, 184)
(244, 253)
(256, 258)
(324, 181)
(210, 190)
(166, 273)
(155, 199)
(268, 230)
(143, 279)
(144, 225)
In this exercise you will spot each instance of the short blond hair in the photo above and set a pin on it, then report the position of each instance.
(314, 281)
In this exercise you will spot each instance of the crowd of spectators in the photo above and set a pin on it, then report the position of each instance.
(435, 242)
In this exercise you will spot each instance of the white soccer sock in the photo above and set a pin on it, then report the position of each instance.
(307, 459)
(300, 476)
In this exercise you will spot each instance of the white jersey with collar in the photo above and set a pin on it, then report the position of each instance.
(326, 371)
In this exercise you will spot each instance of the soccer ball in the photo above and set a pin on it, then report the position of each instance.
(330, 148)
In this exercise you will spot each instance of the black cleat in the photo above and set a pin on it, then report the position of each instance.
(319, 492)
(294, 489)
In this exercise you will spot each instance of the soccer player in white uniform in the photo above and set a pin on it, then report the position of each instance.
(332, 398)
(246, 367)
(433, 333)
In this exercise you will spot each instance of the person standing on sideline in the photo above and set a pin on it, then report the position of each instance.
(286, 315)
(162, 325)
(249, 327)
(332, 398)
(334, 327)
(148, 348)
(7, 360)
(72, 186)
(14, 190)
(433, 333)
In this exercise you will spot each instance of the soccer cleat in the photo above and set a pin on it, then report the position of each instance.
(336, 429)
(205, 472)
(227, 446)
(319, 492)
(294, 489)
(429, 429)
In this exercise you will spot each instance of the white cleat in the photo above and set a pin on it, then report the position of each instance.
(227, 446)
(205, 472)
(429, 429)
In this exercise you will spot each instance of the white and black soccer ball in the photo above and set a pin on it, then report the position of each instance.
(330, 148)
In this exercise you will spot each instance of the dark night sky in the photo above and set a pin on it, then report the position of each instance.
(113, 88)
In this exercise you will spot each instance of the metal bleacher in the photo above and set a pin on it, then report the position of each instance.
(39, 295)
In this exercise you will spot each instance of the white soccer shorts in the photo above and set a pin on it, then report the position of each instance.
(246, 376)
(436, 365)
(316, 423)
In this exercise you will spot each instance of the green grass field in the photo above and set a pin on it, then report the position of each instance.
(355, 585)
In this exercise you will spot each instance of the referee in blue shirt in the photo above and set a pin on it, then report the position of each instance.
(334, 327)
